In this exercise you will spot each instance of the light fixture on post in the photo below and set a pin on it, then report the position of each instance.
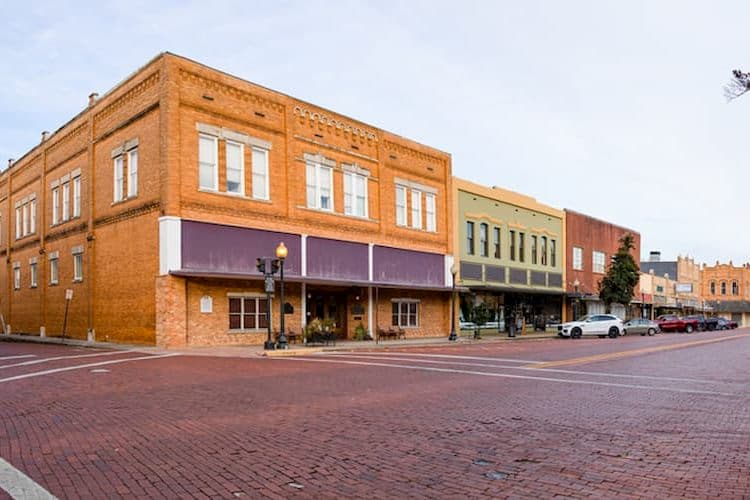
(281, 253)
(576, 299)
(454, 271)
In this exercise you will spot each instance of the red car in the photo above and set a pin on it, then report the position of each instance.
(673, 323)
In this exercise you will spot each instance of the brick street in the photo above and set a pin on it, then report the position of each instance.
(652, 417)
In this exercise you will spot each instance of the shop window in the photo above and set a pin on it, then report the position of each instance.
(405, 313)
(248, 313)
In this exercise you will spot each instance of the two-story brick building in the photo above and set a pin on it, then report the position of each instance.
(153, 204)
(725, 289)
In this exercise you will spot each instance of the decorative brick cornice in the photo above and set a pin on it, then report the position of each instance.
(231, 91)
(128, 214)
(128, 96)
(315, 117)
(407, 151)
(80, 129)
(57, 234)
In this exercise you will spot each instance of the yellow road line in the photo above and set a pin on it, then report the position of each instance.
(634, 352)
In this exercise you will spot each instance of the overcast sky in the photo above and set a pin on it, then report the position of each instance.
(613, 109)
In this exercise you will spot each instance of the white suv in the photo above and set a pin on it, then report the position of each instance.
(596, 324)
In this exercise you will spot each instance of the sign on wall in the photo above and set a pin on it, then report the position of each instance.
(684, 288)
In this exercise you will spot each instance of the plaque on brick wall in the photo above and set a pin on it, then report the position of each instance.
(207, 304)
(358, 309)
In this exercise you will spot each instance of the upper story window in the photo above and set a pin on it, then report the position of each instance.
(66, 201)
(16, 275)
(32, 273)
(235, 154)
(521, 247)
(77, 263)
(496, 234)
(578, 259)
(76, 197)
(125, 158)
(553, 253)
(133, 172)
(62, 210)
(400, 205)
(55, 205)
(355, 194)
(543, 251)
(723, 288)
(429, 205)
(712, 288)
(319, 186)
(416, 209)
(512, 245)
(261, 190)
(54, 273)
(208, 162)
(26, 216)
(597, 262)
(735, 288)
(534, 248)
(469, 238)
(483, 243)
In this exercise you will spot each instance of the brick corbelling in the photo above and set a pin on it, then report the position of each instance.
(414, 153)
(128, 96)
(71, 157)
(73, 134)
(313, 118)
(129, 214)
(57, 234)
(17, 247)
(230, 91)
(223, 117)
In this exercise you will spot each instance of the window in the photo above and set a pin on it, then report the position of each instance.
(248, 313)
(469, 237)
(78, 267)
(235, 168)
(496, 234)
(17, 276)
(355, 194)
(77, 197)
(119, 188)
(18, 223)
(483, 243)
(416, 209)
(32, 270)
(723, 288)
(66, 201)
(32, 216)
(578, 259)
(53, 271)
(543, 251)
(260, 174)
(735, 288)
(597, 262)
(712, 287)
(405, 314)
(132, 173)
(533, 249)
(521, 252)
(512, 245)
(208, 170)
(400, 205)
(319, 187)
(25, 209)
(55, 206)
(429, 205)
(552, 253)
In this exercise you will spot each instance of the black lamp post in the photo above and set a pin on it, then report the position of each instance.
(576, 300)
(281, 253)
(453, 335)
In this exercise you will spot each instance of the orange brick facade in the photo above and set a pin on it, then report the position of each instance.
(124, 295)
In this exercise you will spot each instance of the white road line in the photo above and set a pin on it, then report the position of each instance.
(501, 375)
(20, 486)
(551, 370)
(58, 358)
(89, 365)
(20, 356)
(479, 358)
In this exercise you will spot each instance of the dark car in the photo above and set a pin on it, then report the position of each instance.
(726, 324)
(703, 322)
(673, 323)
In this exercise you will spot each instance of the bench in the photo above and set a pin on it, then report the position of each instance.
(393, 332)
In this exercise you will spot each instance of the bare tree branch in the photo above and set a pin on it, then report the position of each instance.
(738, 85)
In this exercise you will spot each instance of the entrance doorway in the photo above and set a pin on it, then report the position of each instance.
(330, 307)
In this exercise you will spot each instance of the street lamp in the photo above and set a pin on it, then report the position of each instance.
(576, 299)
(453, 335)
(281, 253)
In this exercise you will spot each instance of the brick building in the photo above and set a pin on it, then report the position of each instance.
(589, 245)
(154, 202)
(725, 288)
(680, 291)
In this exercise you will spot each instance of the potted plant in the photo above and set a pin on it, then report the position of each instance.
(360, 332)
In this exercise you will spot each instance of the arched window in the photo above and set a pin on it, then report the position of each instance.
(735, 288)
(723, 287)
(712, 288)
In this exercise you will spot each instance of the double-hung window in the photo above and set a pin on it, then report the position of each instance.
(416, 209)
(25, 209)
(543, 251)
(33, 275)
(76, 197)
(400, 205)
(483, 243)
(78, 264)
(132, 173)
(66, 201)
(17, 276)
(55, 205)
(469, 237)
(119, 187)
(260, 174)
(208, 168)
(521, 245)
(429, 208)
(18, 223)
(552, 253)
(533, 248)
(597, 262)
(54, 271)
(319, 186)
(496, 232)
(32, 216)
(355, 194)
(512, 245)
(235, 168)
(247, 313)
(405, 313)
(578, 258)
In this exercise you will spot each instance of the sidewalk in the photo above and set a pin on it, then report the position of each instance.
(243, 351)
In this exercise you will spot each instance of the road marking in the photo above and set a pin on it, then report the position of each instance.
(89, 365)
(550, 370)
(19, 485)
(58, 358)
(635, 352)
(451, 356)
(501, 375)
(20, 356)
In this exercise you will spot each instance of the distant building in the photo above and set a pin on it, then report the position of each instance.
(683, 281)
(726, 289)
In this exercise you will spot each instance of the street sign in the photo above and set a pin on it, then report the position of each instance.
(69, 294)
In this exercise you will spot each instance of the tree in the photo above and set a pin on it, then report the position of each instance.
(738, 85)
(622, 276)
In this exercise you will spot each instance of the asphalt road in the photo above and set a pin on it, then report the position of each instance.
(633, 417)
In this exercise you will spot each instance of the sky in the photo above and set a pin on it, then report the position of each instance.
(612, 109)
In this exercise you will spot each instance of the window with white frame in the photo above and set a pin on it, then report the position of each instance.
(54, 270)
(32, 216)
(400, 205)
(119, 185)
(17, 276)
(76, 197)
(235, 168)
(133, 172)
(33, 275)
(260, 174)
(18, 223)
(78, 264)
(25, 212)
(248, 313)
(543, 251)
(578, 258)
(208, 168)
(429, 207)
(355, 194)
(483, 243)
(66, 201)
(416, 209)
(55, 205)
(405, 313)
(597, 262)
(319, 186)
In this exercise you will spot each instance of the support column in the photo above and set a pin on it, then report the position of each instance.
(171, 312)
(369, 312)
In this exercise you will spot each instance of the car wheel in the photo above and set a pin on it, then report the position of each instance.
(689, 329)
(613, 332)
(651, 332)
(575, 333)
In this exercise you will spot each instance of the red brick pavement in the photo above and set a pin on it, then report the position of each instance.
(207, 427)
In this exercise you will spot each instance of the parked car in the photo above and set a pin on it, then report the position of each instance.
(725, 324)
(673, 323)
(642, 326)
(702, 321)
(597, 324)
